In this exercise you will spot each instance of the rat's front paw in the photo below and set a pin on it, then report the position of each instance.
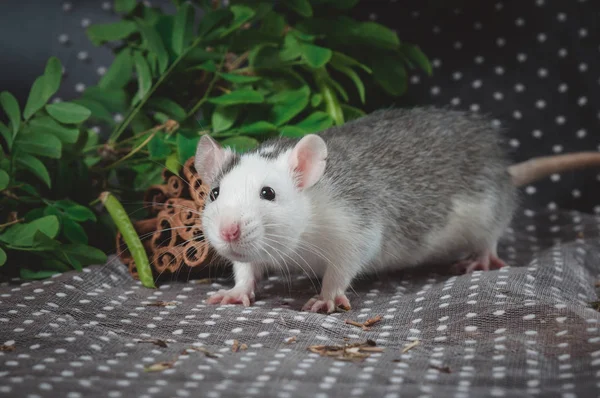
(233, 296)
(317, 304)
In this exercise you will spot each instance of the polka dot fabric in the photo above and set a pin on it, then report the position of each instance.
(524, 330)
(531, 65)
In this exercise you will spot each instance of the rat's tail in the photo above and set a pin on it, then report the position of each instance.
(536, 168)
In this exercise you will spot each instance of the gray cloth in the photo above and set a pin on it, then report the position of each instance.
(524, 330)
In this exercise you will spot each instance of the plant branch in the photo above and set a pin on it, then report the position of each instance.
(202, 100)
(135, 150)
(132, 114)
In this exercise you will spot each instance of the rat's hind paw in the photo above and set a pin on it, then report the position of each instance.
(233, 296)
(485, 262)
(317, 304)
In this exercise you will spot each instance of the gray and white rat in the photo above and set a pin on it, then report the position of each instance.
(393, 189)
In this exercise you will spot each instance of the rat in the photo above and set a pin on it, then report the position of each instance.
(394, 189)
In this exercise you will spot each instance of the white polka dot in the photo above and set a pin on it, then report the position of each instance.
(80, 87)
(500, 42)
(498, 96)
(470, 328)
(530, 190)
(542, 72)
(519, 87)
(477, 84)
(541, 37)
(562, 88)
(456, 75)
(519, 22)
(85, 22)
(499, 70)
(435, 90)
(67, 6)
(583, 67)
(581, 101)
(562, 52)
(560, 119)
(537, 133)
(521, 57)
(561, 16)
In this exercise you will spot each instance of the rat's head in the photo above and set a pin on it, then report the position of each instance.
(258, 208)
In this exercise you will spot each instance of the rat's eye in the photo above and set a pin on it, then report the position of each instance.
(214, 194)
(267, 193)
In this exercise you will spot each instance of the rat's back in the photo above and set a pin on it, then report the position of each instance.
(435, 180)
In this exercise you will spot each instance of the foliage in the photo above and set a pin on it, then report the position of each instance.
(243, 73)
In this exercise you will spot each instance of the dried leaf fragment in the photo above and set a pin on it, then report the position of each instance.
(158, 342)
(5, 348)
(346, 352)
(366, 325)
(236, 346)
(206, 353)
(290, 340)
(443, 369)
(595, 305)
(411, 346)
(372, 321)
(161, 304)
(159, 366)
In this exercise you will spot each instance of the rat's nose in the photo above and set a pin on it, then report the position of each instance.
(230, 232)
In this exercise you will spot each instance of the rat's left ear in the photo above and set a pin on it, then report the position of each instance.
(210, 158)
(308, 159)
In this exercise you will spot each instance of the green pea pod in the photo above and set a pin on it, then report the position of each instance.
(130, 236)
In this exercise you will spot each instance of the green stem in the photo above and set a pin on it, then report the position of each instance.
(133, 151)
(132, 114)
(130, 236)
(202, 100)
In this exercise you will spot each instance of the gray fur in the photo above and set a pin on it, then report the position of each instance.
(401, 168)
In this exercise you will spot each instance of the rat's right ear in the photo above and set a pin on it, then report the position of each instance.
(210, 158)
(308, 159)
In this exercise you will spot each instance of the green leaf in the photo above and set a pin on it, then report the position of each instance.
(390, 75)
(68, 112)
(52, 77)
(339, 88)
(302, 7)
(208, 66)
(292, 49)
(114, 100)
(355, 78)
(119, 72)
(83, 254)
(242, 96)
(11, 107)
(287, 104)
(316, 122)
(99, 111)
(22, 235)
(241, 15)
(186, 147)
(158, 148)
(316, 100)
(2, 257)
(45, 124)
(415, 53)
(27, 274)
(273, 24)
(38, 143)
(223, 117)
(351, 113)
(43, 87)
(183, 30)
(211, 19)
(260, 127)
(76, 212)
(168, 106)
(151, 176)
(4, 180)
(293, 132)
(155, 44)
(74, 232)
(35, 166)
(379, 35)
(316, 56)
(144, 76)
(339, 59)
(125, 6)
(6, 134)
(240, 144)
(237, 78)
(100, 33)
(172, 163)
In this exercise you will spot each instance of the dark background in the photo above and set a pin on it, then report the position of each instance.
(532, 65)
